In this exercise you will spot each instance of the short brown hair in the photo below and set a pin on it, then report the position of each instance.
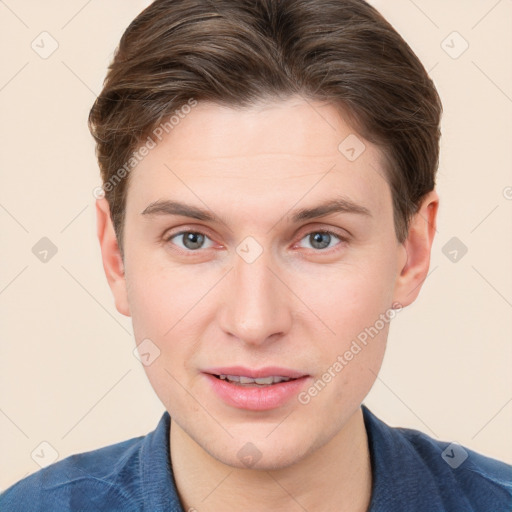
(239, 52)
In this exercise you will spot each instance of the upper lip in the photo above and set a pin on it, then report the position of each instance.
(255, 373)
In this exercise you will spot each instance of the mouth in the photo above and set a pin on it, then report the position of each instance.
(244, 376)
(256, 389)
(244, 381)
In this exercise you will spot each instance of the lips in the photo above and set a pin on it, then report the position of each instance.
(253, 374)
(259, 381)
(256, 389)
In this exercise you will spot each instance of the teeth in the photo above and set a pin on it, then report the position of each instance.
(241, 379)
(265, 380)
(281, 379)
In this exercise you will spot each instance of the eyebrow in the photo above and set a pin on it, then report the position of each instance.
(339, 205)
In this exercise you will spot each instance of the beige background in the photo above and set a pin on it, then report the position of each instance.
(68, 376)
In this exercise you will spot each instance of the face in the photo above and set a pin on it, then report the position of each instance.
(257, 280)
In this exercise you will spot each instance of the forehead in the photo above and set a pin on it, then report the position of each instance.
(272, 151)
(296, 126)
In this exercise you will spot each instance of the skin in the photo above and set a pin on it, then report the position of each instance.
(298, 305)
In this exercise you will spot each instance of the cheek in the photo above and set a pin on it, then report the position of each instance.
(159, 298)
(356, 306)
(159, 313)
(349, 371)
(166, 308)
(351, 297)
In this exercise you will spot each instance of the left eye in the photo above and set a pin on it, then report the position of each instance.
(321, 239)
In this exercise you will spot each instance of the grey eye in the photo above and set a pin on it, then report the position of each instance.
(191, 240)
(321, 239)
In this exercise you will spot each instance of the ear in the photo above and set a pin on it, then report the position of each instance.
(111, 256)
(417, 245)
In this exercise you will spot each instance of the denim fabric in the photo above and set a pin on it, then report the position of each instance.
(412, 472)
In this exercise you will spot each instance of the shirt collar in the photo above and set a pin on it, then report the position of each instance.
(157, 479)
(402, 481)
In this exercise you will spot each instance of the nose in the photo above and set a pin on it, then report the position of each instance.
(258, 305)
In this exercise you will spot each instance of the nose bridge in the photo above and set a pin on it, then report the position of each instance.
(256, 307)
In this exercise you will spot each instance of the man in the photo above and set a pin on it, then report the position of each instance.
(270, 206)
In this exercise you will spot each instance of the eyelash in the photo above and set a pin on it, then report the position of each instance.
(343, 239)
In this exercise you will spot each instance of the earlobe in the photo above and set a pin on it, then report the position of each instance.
(418, 246)
(111, 256)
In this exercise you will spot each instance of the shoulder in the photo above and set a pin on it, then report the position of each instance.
(448, 473)
(84, 481)
(473, 474)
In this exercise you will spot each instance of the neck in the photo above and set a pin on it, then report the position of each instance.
(335, 477)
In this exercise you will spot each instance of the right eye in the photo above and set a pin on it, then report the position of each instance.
(191, 240)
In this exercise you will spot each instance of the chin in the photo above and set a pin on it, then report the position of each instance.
(262, 455)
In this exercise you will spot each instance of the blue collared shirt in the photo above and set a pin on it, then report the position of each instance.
(411, 471)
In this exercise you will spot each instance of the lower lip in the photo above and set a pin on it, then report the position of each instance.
(256, 398)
